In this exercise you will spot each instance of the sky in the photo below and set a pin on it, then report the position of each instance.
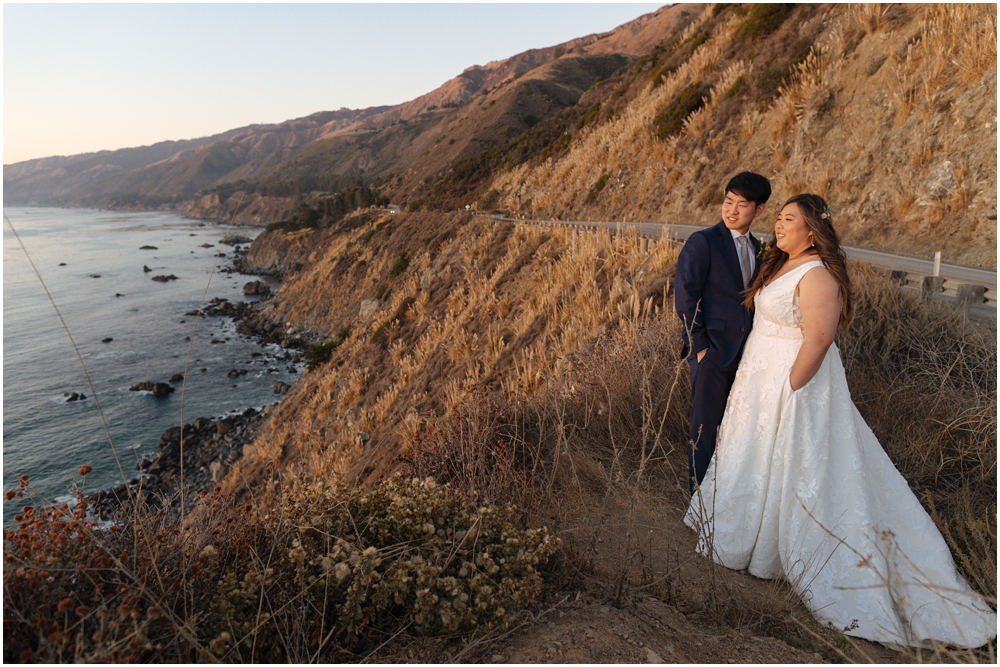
(85, 77)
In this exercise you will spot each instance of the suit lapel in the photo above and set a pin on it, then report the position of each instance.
(729, 250)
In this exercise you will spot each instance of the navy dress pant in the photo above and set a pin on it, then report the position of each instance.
(710, 387)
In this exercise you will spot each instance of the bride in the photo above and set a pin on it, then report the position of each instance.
(800, 488)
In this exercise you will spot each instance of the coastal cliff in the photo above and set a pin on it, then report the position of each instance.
(241, 208)
(499, 409)
(539, 367)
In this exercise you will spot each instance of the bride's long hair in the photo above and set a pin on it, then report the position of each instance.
(818, 220)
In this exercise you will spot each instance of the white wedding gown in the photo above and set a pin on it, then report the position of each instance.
(799, 488)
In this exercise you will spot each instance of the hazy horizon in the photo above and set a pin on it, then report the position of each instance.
(86, 78)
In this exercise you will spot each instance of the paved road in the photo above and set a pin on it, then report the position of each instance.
(881, 259)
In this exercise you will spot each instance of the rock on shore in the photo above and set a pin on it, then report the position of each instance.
(211, 447)
(256, 288)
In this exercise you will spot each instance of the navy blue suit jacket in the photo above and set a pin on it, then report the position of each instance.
(707, 295)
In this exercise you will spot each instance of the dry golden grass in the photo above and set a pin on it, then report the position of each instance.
(589, 449)
(862, 140)
(597, 454)
(496, 302)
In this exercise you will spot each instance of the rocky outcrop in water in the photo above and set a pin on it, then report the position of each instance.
(158, 389)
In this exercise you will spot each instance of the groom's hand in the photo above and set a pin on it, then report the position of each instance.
(701, 355)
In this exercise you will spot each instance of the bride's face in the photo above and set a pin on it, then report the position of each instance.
(791, 233)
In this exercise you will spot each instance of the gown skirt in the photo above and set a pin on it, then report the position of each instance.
(799, 488)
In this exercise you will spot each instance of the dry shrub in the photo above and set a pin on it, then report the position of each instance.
(608, 429)
(477, 450)
(316, 572)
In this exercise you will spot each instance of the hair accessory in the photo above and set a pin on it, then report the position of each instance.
(827, 214)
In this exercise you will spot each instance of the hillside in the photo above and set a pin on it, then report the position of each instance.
(168, 174)
(171, 174)
(539, 369)
(887, 111)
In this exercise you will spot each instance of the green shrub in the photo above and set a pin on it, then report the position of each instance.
(660, 72)
(687, 101)
(304, 217)
(738, 85)
(561, 143)
(763, 20)
(799, 51)
(700, 39)
(396, 317)
(771, 79)
(489, 200)
(596, 188)
(589, 116)
(319, 354)
(381, 290)
(402, 261)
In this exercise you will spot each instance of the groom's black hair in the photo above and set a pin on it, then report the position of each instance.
(750, 186)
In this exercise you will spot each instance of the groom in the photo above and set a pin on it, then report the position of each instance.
(714, 266)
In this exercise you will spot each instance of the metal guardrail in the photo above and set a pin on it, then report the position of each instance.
(975, 290)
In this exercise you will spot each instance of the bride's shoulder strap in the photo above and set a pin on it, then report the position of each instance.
(812, 264)
(803, 269)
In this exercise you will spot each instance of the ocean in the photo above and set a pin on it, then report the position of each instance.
(92, 263)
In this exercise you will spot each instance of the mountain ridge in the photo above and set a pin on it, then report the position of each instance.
(169, 174)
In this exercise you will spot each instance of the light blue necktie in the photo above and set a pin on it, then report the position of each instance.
(744, 259)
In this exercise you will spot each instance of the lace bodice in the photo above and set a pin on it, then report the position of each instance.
(776, 307)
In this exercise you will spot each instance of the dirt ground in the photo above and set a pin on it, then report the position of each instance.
(648, 597)
(630, 588)
(649, 631)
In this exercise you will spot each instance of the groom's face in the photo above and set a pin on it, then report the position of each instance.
(738, 212)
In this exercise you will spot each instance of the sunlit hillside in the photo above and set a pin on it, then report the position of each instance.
(889, 111)
(430, 305)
